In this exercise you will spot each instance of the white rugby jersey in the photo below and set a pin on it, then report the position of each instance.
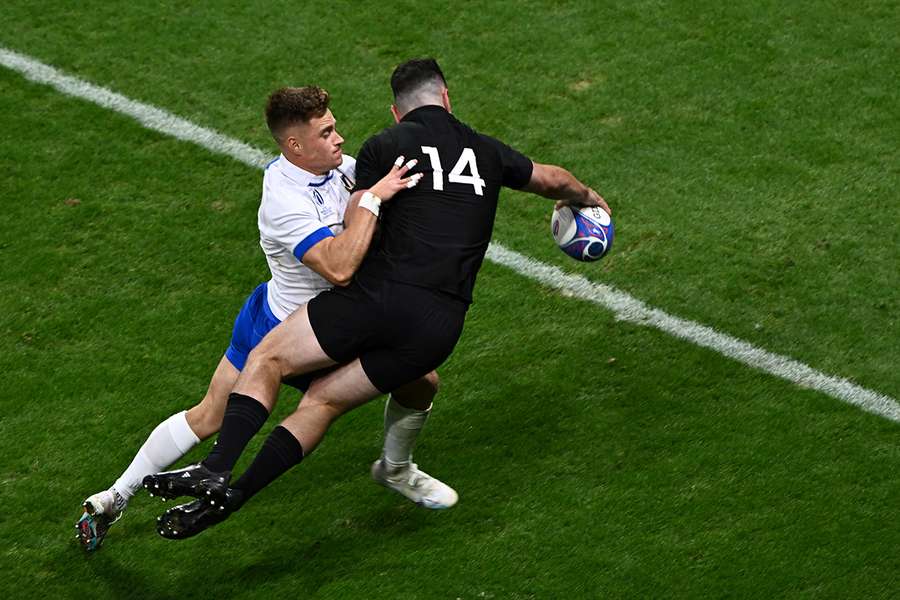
(299, 209)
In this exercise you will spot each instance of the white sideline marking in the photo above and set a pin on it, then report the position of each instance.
(626, 307)
(145, 114)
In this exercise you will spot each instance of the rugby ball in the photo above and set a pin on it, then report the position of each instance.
(584, 233)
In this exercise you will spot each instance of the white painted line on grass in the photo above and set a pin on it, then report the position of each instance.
(145, 114)
(626, 307)
(630, 309)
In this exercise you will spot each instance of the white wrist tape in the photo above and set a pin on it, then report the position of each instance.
(371, 202)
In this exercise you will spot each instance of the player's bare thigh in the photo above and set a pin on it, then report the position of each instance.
(344, 389)
(348, 387)
(289, 349)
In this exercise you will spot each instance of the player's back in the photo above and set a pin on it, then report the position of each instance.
(436, 234)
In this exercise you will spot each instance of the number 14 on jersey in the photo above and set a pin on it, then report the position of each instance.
(466, 159)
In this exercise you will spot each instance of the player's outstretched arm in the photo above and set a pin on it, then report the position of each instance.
(557, 183)
(337, 258)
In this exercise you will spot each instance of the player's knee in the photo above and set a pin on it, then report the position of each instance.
(267, 357)
(418, 394)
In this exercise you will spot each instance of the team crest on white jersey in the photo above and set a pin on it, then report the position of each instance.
(324, 209)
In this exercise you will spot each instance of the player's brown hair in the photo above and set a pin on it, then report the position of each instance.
(291, 105)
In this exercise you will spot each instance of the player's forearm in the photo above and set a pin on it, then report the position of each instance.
(346, 251)
(556, 183)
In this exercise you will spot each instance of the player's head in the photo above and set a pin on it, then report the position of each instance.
(418, 82)
(304, 128)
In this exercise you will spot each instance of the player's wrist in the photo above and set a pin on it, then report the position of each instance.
(371, 203)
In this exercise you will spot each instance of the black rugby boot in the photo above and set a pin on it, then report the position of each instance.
(187, 520)
(193, 480)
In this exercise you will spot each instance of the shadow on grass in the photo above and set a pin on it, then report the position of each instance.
(343, 550)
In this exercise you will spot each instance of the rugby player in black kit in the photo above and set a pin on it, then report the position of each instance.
(402, 314)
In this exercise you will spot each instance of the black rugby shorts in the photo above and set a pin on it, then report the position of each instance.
(399, 332)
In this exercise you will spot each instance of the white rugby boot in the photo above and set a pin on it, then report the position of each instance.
(100, 511)
(417, 485)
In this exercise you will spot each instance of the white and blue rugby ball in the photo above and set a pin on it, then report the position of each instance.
(584, 233)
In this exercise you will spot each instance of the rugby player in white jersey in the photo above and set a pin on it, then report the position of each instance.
(302, 219)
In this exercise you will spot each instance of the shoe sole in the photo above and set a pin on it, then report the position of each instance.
(89, 532)
(165, 529)
(163, 487)
(169, 525)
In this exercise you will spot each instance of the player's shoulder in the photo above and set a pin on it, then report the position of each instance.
(283, 195)
(348, 165)
(277, 183)
(503, 150)
(484, 140)
(385, 139)
(378, 151)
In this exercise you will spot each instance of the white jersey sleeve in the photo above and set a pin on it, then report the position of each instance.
(292, 222)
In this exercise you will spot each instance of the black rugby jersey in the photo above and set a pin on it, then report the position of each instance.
(436, 234)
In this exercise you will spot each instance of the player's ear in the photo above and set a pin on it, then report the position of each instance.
(396, 112)
(445, 99)
(293, 144)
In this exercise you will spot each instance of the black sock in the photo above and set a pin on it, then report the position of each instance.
(243, 418)
(279, 453)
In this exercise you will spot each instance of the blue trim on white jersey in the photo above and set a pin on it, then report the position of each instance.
(272, 162)
(311, 240)
(323, 182)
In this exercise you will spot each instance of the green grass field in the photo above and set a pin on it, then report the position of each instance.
(750, 155)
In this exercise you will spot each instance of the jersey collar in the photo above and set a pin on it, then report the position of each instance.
(302, 176)
(423, 112)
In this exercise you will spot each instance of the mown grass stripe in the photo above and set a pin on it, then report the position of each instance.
(626, 307)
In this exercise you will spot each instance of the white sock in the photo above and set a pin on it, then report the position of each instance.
(171, 440)
(401, 428)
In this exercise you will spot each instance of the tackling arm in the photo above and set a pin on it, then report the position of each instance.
(337, 258)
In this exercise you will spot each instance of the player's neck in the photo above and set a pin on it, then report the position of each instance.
(301, 164)
(440, 101)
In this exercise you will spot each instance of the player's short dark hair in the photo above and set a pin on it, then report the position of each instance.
(408, 76)
(291, 105)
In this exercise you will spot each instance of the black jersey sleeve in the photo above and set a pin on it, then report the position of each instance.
(517, 167)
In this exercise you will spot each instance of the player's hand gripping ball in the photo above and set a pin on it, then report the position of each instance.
(584, 233)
